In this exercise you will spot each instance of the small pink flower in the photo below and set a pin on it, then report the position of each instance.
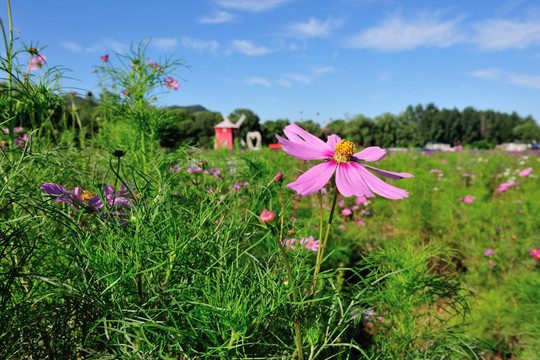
(73, 93)
(310, 243)
(342, 227)
(37, 62)
(491, 263)
(360, 222)
(535, 253)
(278, 177)
(105, 58)
(468, 199)
(525, 172)
(288, 243)
(489, 252)
(172, 83)
(194, 170)
(355, 207)
(435, 171)
(267, 217)
(346, 212)
(465, 174)
(361, 200)
(340, 202)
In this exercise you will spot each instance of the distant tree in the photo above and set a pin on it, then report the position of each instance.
(251, 122)
(360, 129)
(313, 128)
(203, 129)
(338, 127)
(385, 130)
(270, 128)
(527, 132)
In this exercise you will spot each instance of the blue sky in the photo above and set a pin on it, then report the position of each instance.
(334, 58)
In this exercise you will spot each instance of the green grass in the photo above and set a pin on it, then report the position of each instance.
(195, 274)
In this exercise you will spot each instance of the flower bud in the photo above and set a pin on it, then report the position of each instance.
(118, 153)
(278, 177)
(267, 217)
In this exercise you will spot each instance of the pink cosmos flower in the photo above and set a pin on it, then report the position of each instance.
(194, 170)
(172, 83)
(435, 171)
(346, 212)
(465, 175)
(361, 200)
(360, 222)
(105, 58)
(468, 199)
(535, 253)
(310, 243)
(340, 202)
(525, 172)
(37, 62)
(267, 216)
(351, 176)
(289, 243)
(489, 252)
(491, 263)
(342, 227)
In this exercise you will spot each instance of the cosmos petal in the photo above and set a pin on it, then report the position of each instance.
(372, 153)
(349, 182)
(305, 151)
(296, 134)
(389, 174)
(56, 191)
(314, 179)
(333, 140)
(377, 185)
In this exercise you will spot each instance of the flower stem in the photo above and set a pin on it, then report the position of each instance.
(297, 330)
(320, 253)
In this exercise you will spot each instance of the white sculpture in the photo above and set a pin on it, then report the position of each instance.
(254, 135)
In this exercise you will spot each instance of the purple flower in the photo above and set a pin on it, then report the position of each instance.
(310, 243)
(525, 172)
(172, 83)
(212, 171)
(468, 199)
(489, 252)
(194, 170)
(79, 198)
(21, 140)
(37, 62)
(535, 253)
(175, 169)
(351, 176)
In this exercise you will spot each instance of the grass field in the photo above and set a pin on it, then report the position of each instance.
(175, 263)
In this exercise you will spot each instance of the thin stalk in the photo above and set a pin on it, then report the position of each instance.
(297, 330)
(320, 253)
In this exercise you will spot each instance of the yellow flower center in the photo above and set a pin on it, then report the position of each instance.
(86, 195)
(344, 150)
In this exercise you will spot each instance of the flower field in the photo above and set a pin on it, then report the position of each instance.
(178, 262)
(121, 237)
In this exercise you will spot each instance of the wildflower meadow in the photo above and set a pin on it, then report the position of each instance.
(114, 246)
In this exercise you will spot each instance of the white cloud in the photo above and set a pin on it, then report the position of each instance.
(487, 74)
(323, 70)
(298, 77)
(72, 46)
(200, 45)
(506, 34)
(315, 28)
(396, 34)
(247, 48)
(284, 82)
(258, 81)
(251, 5)
(164, 43)
(219, 18)
(115, 46)
(523, 80)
